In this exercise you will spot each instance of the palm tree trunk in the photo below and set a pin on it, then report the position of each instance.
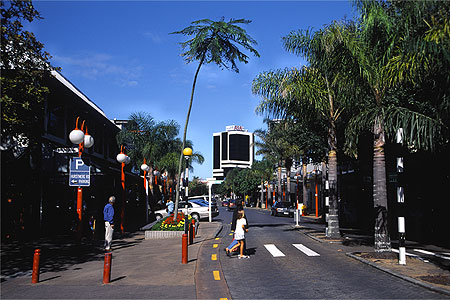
(279, 182)
(180, 163)
(333, 213)
(382, 239)
(333, 218)
(305, 192)
(288, 179)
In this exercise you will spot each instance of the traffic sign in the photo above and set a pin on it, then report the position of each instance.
(66, 150)
(80, 173)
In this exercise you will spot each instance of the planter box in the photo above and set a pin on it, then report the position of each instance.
(150, 234)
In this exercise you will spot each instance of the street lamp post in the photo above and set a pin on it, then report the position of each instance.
(146, 168)
(187, 152)
(84, 140)
(123, 159)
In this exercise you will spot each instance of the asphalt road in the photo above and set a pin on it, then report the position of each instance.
(308, 270)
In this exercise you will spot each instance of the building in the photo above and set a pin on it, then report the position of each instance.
(233, 148)
(36, 197)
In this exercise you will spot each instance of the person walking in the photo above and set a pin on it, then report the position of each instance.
(239, 233)
(108, 216)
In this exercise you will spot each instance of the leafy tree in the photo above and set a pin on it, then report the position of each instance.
(197, 188)
(213, 42)
(157, 142)
(24, 65)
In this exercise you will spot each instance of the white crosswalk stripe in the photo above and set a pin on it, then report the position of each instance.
(431, 253)
(305, 250)
(274, 250)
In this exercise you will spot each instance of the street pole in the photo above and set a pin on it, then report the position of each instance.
(209, 203)
(145, 168)
(317, 194)
(122, 159)
(296, 210)
(401, 202)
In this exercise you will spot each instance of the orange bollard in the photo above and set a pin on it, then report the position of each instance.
(184, 249)
(193, 228)
(36, 258)
(191, 234)
(107, 268)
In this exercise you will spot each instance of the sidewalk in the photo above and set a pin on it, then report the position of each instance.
(429, 268)
(141, 269)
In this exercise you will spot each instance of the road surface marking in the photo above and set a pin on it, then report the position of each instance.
(214, 257)
(223, 298)
(217, 239)
(305, 250)
(431, 253)
(274, 250)
(409, 254)
(215, 245)
(231, 234)
(216, 275)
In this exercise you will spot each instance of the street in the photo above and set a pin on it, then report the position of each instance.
(284, 263)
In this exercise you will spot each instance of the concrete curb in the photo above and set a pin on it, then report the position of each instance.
(406, 278)
(150, 234)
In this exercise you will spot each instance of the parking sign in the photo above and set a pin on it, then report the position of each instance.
(80, 173)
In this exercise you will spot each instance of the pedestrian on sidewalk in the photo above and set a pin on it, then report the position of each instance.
(170, 206)
(108, 216)
(239, 233)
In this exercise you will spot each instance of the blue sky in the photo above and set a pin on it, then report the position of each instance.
(120, 55)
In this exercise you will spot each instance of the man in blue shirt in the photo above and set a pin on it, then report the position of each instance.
(108, 216)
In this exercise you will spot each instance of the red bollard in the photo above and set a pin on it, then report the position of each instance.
(193, 228)
(184, 249)
(191, 234)
(107, 268)
(36, 258)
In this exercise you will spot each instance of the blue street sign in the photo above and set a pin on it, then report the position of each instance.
(80, 173)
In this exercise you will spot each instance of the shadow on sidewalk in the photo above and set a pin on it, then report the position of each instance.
(57, 254)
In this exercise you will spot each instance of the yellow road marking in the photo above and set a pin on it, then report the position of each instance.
(216, 275)
(214, 257)
(217, 239)
(230, 234)
(223, 298)
(215, 245)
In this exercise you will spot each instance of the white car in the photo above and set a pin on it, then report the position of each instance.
(196, 210)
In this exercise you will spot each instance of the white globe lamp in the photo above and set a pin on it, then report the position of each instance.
(88, 141)
(145, 167)
(121, 157)
(76, 136)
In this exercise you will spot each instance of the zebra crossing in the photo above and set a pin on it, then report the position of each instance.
(275, 252)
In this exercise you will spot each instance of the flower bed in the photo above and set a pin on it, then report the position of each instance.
(169, 224)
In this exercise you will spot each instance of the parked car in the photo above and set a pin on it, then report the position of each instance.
(225, 202)
(232, 204)
(203, 201)
(282, 209)
(197, 210)
(204, 197)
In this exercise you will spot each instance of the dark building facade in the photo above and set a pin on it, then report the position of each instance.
(232, 148)
(36, 197)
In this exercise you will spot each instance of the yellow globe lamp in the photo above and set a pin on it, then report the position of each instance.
(187, 151)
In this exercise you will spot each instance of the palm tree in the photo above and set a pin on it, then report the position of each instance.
(213, 42)
(389, 53)
(323, 84)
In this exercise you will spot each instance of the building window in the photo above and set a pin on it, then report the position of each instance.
(239, 147)
(216, 152)
(55, 121)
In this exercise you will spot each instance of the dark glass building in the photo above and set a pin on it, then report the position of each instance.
(232, 148)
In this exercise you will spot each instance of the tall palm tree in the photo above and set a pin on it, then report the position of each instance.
(213, 42)
(317, 90)
(382, 48)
